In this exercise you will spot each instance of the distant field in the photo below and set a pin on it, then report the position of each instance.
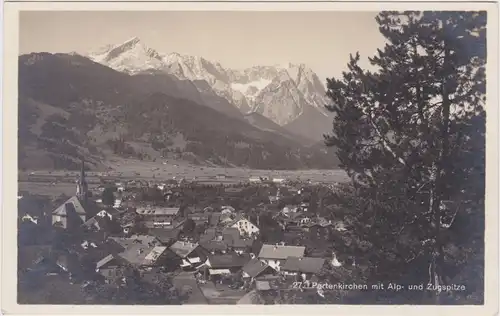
(60, 181)
(47, 189)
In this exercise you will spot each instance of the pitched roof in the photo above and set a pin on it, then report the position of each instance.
(281, 252)
(231, 232)
(208, 235)
(157, 210)
(228, 261)
(320, 221)
(228, 207)
(242, 243)
(254, 267)
(262, 285)
(165, 235)
(71, 205)
(212, 245)
(92, 223)
(236, 219)
(97, 222)
(305, 265)
(137, 248)
(154, 254)
(145, 240)
(104, 261)
(199, 218)
(183, 248)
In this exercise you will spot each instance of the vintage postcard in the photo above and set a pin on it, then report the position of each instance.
(250, 158)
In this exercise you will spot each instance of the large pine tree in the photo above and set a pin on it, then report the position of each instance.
(411, 135)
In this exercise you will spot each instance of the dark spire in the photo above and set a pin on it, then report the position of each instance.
(81, 188)
(82, 172)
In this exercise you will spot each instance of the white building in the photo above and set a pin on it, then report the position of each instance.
(255, 180)
(244, 226)
(276, 255)
(278, 180)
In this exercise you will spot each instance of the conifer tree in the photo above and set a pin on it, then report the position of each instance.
(411, 132)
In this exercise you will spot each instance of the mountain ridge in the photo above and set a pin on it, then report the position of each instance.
(244, 88)
(71, 106)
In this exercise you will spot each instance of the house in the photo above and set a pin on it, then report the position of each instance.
(188, 254)
(241, 245)
(278, 180)
(200, 219)
(29, 218)
(220, 265)
(158, 216)
(303, 267)
(141, 250)
(230, 233)
(167, 236)
(210, 234)
(275, 255)
(245, 227)
(293, 220)
(225, 218)
(215, 246)
(77, 209)
(318, 228)
(255, 180)
(256, 268)
(117, 204)
(70, 214)
(103, 225)
(227, 210)
(213, 241)
(113, 268)
(233, 262)
(262, 285)
(289, 209)
(111, 213)
(95, 224)
(221, 242)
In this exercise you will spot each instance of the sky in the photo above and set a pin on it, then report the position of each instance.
(322, 40)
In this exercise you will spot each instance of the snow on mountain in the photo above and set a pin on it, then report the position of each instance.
(279, 92)
(131, 57)
(250, 89)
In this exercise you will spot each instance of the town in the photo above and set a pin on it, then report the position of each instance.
(183, 243)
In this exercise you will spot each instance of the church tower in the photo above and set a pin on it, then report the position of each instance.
(81, 186)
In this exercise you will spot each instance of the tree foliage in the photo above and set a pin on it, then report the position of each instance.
(108, 197)
(411, 134)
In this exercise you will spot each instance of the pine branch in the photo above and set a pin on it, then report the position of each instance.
(386, 144)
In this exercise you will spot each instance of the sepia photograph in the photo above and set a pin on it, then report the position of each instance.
(222, 157)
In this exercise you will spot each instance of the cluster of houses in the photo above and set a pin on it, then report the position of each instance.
(226, 249)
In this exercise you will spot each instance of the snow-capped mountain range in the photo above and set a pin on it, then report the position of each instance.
(282, 93)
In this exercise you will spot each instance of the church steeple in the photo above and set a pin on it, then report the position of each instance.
(81, 186)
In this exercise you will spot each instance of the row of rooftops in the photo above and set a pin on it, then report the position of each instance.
(171, 211)
(145, 249)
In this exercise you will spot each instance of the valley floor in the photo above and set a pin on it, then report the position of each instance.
(58, 181)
